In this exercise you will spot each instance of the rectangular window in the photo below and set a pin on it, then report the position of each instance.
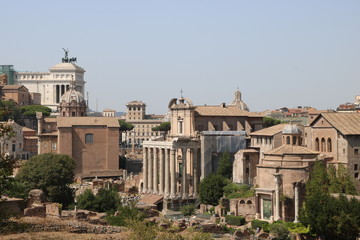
(180, 169)
(53, 146)
(355, 167)
(356, 151)
(13, 147)
(344, 151)
(89, 138)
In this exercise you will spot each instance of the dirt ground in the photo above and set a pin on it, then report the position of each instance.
(63, 235)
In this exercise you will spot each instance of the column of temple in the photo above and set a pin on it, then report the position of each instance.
(150, 168)
(161, 162)
(277, 197)
(172, 174)
(155, 172)
(184, 184)
(195, 172)
(167, 173)
(145, 171)
(296, 202)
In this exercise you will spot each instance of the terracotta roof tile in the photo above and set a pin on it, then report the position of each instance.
(346, 123)
(291, 149)
(269, 131)
(224, 111)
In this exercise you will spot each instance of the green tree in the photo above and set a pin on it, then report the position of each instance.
(211, 189)
(125, 126)
(163, 127)
(225, 167)
(86, 200)
(9, 110)
(188, 210)
(29, 111)
(327, 216)
(52, 173)
(106, 200)
(8, 185)
(268, 121)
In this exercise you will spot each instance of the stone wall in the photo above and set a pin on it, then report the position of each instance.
(243, 207)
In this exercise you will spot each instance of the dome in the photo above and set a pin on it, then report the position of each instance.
(291, 129)
(71, 95)
(238, 102)
(357, 100)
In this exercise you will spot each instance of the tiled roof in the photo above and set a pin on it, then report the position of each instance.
(28, 129)
(151, 199)
(269, 131)
(13, 86)
(87, 121)
(291, 149)
(224, 111)
(346, 123)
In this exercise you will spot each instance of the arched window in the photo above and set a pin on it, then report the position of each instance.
(317, 144)
(287, 140)
(249, 202)
(329, 146)
(89, 138)
(242, 202)
(294, 140)
(323, 147)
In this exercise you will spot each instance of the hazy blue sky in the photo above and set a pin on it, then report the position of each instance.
(279, 53)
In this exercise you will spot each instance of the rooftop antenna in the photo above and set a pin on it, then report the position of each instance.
(96, 104)
(181, 93)
(87, 100)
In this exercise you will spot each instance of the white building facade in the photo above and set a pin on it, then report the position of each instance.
(53, 84)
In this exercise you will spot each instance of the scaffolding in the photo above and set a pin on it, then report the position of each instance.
(9, 71)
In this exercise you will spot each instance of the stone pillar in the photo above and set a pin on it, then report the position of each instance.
(277, 196)
(184, 183)
(145, 170)
(173, 174)
(155, 173)
(161, 162)
(195, 172)
(150, 170)
(296, 202)
(167, 173)
(257, 207)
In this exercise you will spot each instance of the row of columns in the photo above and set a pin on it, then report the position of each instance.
(160, 176)
(60, 90)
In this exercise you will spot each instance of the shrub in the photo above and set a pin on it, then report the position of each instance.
(235, 220)
(126, 213)
(233, 190)
(212, 210)
(279, 230)
(105, 200)
(86, 200)
(264, 225)
(297, 228)
(188, 210)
